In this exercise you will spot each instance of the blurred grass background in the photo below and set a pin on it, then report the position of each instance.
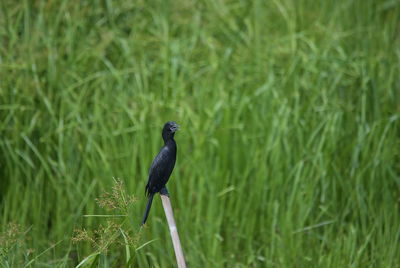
(289, 149)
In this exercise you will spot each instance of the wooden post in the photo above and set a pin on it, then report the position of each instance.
(180, 259)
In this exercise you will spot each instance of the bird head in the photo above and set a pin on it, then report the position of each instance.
(169, 130)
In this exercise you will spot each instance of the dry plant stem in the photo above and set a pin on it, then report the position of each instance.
(180, 259)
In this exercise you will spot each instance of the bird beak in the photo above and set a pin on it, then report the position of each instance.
(175, 128)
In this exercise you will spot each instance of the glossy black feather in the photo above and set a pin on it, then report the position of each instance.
(162, 166)
(148, 206)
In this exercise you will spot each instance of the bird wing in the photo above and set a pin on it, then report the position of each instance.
(160, 170)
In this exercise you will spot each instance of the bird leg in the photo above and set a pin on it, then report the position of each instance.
(164, 191)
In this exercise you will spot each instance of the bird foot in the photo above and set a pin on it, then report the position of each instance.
(164, 191)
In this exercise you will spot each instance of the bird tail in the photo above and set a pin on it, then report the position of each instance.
(146, 213)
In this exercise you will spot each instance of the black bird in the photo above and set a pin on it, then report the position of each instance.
(162, 166)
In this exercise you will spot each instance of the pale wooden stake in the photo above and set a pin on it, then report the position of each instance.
(180, 259)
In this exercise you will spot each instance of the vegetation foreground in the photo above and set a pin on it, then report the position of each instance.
(289, 149)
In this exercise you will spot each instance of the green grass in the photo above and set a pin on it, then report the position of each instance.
(289, 149)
